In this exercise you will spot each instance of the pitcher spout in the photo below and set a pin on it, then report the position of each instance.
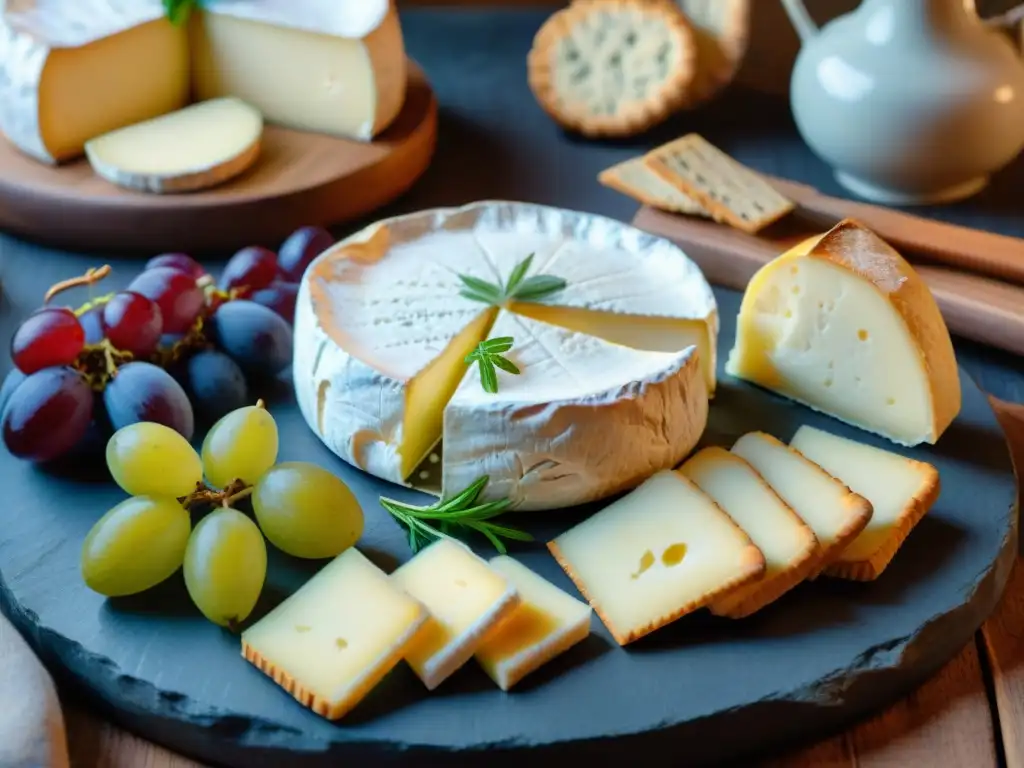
(801, 20)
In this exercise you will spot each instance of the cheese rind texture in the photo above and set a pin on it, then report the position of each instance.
(787, 543)
(466, 600)
(656, 554)
(194, 148)
(547, 623)
(382, 333)
(55, 52)
(583, 420)
(341, 71)
(901, 492)
(332, 641)
(843, 324)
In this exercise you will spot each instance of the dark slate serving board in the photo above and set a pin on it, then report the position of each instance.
(825, 654)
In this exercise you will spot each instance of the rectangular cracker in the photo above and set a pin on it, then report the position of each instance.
(731, 192)
(789, 546)
(901, 491)
(634, 179)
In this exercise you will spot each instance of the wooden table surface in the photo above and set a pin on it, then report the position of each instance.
(970, 715)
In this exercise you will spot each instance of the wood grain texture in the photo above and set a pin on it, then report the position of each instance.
(300, 178)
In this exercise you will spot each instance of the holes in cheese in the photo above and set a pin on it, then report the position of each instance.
(601, 555)
(836, 514)
(194, 148)
(331, 642)
(900, 490)
(787, 543)
(547, 623)
(844, 325)
(465, 598)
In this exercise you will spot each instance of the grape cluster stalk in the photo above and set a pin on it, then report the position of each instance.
(175, 348)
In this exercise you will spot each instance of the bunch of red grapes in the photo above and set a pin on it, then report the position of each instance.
(173, 348)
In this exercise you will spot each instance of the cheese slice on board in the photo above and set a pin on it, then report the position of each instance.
(656, 554)
(844, 325)
(547, 623)
(76, 69)
(194, 148)
(336, 67)
(901, 492)
(331, 642)
(382, 332)
(574, 424)
(466, 600)
(789, 546)
(836, 514)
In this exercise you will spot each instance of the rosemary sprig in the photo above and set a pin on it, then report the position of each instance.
(518, 286)
(488, 355)
(178, 10)
(461, 512)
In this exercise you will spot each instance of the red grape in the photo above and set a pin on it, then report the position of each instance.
(255, 337)
(144, 392)
(47, 415)
(49, 337)
(251, 269)
(11, 382)
(179, 298)
(280, 297)
(179, 261)
(92, 324)
(299, 250)
(133, 323)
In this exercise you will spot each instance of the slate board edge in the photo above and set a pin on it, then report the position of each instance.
(790, 717)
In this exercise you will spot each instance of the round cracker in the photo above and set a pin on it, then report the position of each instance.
(722, 32)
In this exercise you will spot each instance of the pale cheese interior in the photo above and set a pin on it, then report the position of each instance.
(547, 622)
(661, 551)
(340, 633)
(73, 110)
(821, 501)
(465, 599)
(889, 481)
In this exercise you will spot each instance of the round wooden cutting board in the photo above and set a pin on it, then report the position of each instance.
(700, 691)
(300, 178)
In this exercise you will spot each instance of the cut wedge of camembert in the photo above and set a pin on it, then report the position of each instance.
(383, 332)
(843, 324)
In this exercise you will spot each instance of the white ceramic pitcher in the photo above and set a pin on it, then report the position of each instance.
(909, 101)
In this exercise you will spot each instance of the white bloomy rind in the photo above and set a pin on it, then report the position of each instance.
(599, 419)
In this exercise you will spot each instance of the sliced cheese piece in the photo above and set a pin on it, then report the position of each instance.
(547, 623)
(466, 600)
(843, 324)
(836, 514)
(659, 553)
(198, 147)
(331, 642)
(74, 70)
(575, 424)
(789, 546)
(335, 68)
(901, 492)
(382, 332)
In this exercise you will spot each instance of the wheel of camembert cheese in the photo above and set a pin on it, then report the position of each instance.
(565, 356)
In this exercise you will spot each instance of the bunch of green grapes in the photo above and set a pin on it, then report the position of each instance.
(302, 509)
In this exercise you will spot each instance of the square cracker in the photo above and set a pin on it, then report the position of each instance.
(657, 554)
(634, 179)
(730, 191)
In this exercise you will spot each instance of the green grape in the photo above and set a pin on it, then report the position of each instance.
(306, 511)
(148, 459)
(241, 446)
(225, 566)
(135, 546)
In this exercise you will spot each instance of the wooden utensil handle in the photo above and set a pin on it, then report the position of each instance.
(972, 250)
(974, 307)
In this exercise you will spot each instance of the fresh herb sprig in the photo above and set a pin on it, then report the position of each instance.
(489, 356)
(178, 10)
(461, 512)
(519, 286)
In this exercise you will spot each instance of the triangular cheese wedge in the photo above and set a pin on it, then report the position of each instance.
(846, 326)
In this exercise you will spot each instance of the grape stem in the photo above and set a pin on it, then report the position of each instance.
(92, 276)
(245, 493)
(204, 495)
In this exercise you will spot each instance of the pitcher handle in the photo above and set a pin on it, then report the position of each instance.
(800, 19)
